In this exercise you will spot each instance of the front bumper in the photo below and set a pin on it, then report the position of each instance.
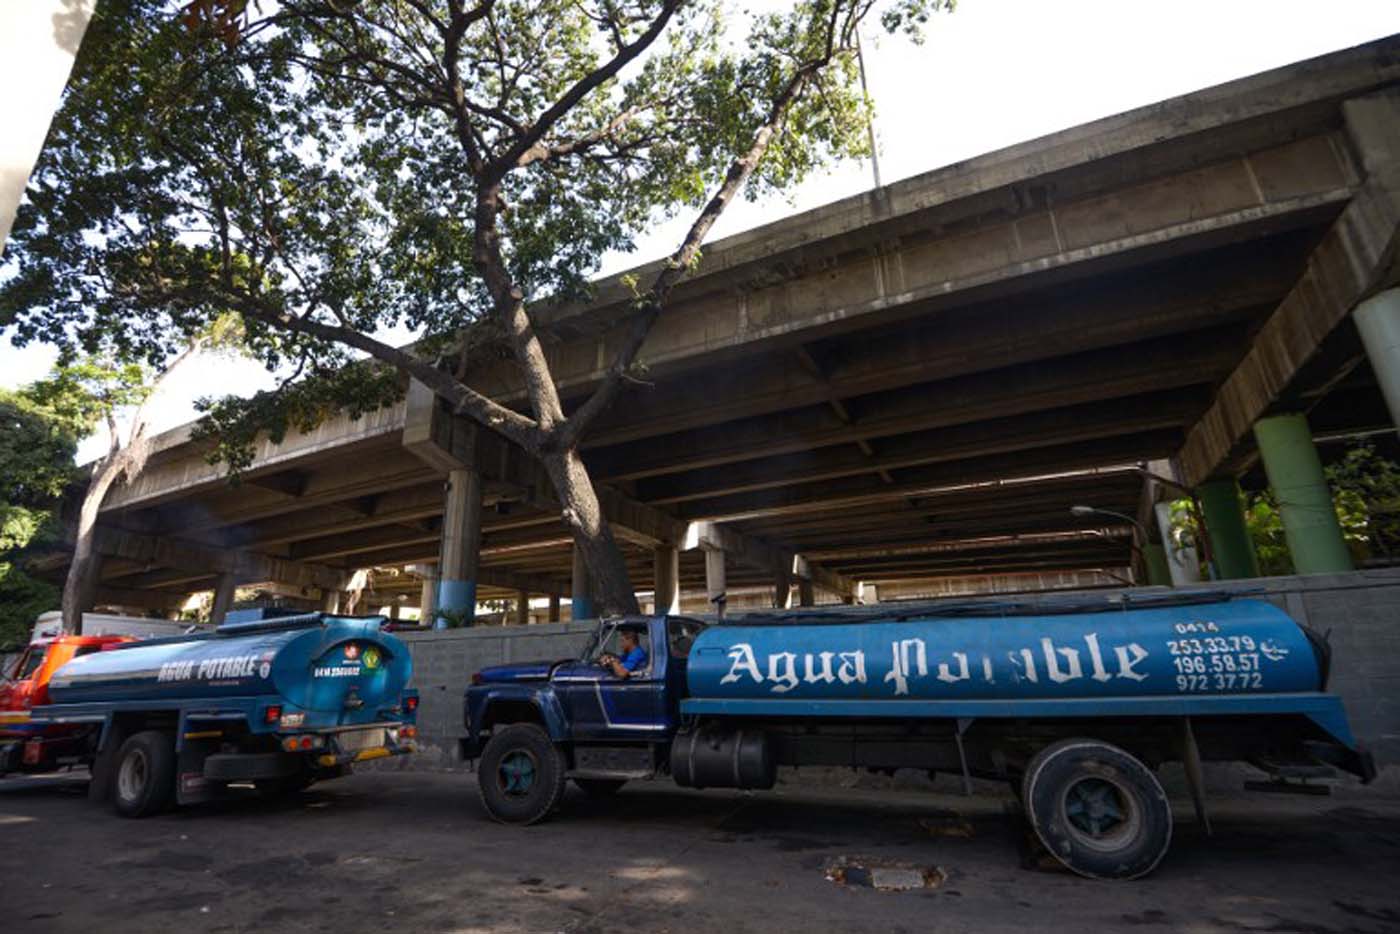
(469, 748)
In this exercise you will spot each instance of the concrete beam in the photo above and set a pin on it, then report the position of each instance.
(1219, 288)
(201, 560)
(1357, 256)
(1007, 245)
(755, 553)
(852, 492)
(1070, 425)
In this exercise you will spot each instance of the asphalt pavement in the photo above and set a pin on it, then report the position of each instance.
(413, 851)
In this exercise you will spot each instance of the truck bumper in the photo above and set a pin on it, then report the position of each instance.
(468, 748)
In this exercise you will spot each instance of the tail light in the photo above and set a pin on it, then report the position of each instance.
(476, 677)
(410, 704)
(272, 714)
(303, 743)
(408, 732)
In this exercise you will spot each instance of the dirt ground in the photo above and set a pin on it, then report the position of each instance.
(387, 851)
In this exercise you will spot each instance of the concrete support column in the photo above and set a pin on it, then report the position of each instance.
(554, 608)
(394, 609)
(1183, 565)
(782, 584)
(806, 592)
(223, 599)
(715, 585)
(427, 601)
(1230, 544)
(461, 548)
(522, 609)
(330, 603)
(1154, 559)
(1305, 501)
(581, 601)
(1378, 320)
(666, 563)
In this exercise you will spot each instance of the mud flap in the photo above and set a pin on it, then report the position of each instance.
(108, 742)
(191, 787)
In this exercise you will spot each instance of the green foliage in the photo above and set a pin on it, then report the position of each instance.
(309, 164)
(1365, 493)
(40, 427)
(231, 424)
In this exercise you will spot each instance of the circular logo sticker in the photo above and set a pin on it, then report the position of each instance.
(352, 652)
(371, 658)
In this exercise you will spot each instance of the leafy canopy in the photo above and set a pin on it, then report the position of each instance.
(332, 171)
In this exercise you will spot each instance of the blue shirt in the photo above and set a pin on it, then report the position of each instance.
(637, 658)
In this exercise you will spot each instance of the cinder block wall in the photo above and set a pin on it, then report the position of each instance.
(1361, 610)
(443, 663)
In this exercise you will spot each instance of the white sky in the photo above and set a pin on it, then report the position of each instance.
(994, 73)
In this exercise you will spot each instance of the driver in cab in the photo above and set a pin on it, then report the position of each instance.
(633, 657)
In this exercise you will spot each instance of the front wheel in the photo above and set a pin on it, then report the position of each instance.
(144, 782)
(521, 777)
(1097, 809)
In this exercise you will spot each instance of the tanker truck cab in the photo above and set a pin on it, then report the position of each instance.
(537, 724)
(277, 703)
(1074, 702)
(27, 745)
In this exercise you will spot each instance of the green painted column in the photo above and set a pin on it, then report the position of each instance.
(1378, 320)
(1305, 501)
(1154, 556)
(1230, 544)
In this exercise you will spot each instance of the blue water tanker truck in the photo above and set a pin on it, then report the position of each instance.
(1075, 702)
(279, 703)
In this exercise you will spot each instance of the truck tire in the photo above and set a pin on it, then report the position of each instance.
(143, 779)
(1097, 809)
(521, 777)
(600, 787)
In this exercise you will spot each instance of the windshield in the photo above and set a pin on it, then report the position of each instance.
(29, 663)
(596, 641)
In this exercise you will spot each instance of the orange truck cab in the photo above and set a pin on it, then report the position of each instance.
(26, 746)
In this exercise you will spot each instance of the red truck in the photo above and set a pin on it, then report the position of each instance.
(26, 746)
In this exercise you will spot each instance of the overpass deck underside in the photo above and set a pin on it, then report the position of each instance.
(921, 393)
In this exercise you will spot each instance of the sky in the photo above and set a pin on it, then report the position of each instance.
(991, 74)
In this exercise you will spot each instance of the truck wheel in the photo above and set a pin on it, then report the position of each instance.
(143, 782)
(600, 787)
(1097, 809)
(522, 774)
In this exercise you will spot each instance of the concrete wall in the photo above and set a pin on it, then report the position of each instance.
(443, 663)
(1361, 610)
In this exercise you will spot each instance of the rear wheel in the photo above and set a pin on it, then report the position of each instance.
(144, 779)
(600, 787)
(521, 777)
(1097, 809)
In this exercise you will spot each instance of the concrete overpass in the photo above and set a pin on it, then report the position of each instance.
(903, 388)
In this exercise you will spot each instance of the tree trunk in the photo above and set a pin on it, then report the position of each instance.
(80, 586)
(607, 568)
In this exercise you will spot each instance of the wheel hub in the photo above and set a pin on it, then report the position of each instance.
(1095, 807)
(517, 773)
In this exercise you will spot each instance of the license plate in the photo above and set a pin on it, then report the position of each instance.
(355, 740)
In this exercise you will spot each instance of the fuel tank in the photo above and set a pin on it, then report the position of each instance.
(1072, 651)
(314, 662)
